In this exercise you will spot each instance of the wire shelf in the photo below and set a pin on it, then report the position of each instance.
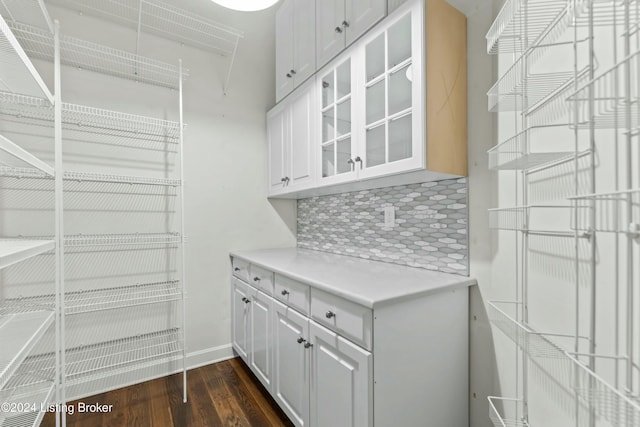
(515, 154)
(102, 360)
(15, 250)
(502, 314)
(500, 406)
(92, 300)
(30, 173)
(80, 240)
(549, 220)
(37, 398)
(508, 94)
(122, 239)
(18, 73)
(571, 374)
(509, 33)
(616, 102)
(515, 218)
(555, 108)
(164, 20)
(18, 335)
(617, 212)
(93, 120)
(75, 52)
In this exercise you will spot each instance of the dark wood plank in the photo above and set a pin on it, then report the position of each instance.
(227, 407)
(224, 394)
(159, 403)
(201, 406)
(263, 399)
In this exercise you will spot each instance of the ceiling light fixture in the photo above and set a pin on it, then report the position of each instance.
(246, 5)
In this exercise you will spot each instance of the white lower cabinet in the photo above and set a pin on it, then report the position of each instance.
(260, 355)
(292, 363)
(341, 386)
(329, 361)
(241, 318)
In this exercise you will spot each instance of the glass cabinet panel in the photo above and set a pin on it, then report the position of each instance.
(400, 42)
(389, 95)
(375, 58)
(337, 121)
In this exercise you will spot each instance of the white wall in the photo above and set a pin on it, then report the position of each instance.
(226, 207)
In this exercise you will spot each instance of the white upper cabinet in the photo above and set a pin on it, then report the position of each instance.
(362, 15)
(373, 124)
(330, 16)
(291, 128)
(392, 133)
(295, 45)
(371, 105)
(337, 110)
(340, 22)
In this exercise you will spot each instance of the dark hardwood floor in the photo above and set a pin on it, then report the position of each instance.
(223, 394)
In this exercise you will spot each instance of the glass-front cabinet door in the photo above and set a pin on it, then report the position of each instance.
(337, 157)
(392, 133)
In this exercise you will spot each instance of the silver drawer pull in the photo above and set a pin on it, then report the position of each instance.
(246, 300)
(256, 279)
(330, 314)
(307, 345)
(236, 269)
(301, 340)
(284, 292)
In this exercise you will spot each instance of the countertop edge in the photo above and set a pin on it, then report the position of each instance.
(464, 282)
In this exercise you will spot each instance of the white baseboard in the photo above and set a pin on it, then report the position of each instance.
(208, 356)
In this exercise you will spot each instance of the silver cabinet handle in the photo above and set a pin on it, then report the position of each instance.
(338, 30)
(345, 24)
(351, 163)
(289, 75)
(256, 279)
(286, 180)
(301, 340)
(246, 300)
(292, 72)
(236, 269)
(284, 292)
(329, 314)
(307, 345)
(358, 159)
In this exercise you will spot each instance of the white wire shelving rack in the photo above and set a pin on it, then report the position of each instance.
(22, 330)
(38, 43)
(580, 103)
(138, 272)
(167, 21)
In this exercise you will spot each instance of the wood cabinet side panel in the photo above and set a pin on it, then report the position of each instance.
(446, 79)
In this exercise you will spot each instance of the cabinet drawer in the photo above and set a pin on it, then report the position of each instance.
(348, 319)
(292, 293)
(261, 279)
(240, 269)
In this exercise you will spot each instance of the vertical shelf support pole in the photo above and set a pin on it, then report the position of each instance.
(182, 243)
(59, 233)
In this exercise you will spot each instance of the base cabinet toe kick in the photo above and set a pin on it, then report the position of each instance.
(329, 361)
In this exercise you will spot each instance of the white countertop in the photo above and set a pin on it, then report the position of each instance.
(369, 283)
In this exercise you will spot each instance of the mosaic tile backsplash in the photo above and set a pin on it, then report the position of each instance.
(430, 230)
